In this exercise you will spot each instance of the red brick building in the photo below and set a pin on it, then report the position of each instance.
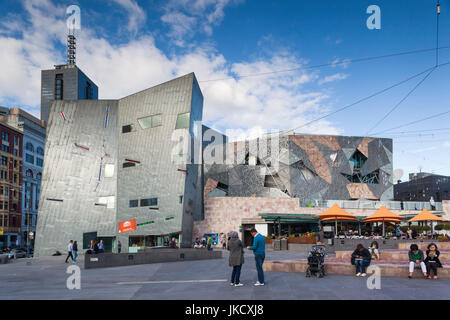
(10, 185)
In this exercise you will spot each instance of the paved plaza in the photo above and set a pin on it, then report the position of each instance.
(45, 278)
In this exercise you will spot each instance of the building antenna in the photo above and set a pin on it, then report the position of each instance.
(71, 47)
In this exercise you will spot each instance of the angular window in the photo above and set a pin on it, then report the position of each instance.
(134, 203)
(40, 151)
(151, 121)
(128, 128)
(149, 202)
(128, 164)
(39, 162)
(183, 121)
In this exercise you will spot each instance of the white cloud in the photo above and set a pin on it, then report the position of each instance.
(136, 15)
(274, 101)
(186, 17)
(332, 78)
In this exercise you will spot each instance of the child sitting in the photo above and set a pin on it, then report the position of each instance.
(373, 249)
(416, 257)
(432, 260)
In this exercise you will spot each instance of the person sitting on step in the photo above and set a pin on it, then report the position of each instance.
(416, 258)
(432, 260)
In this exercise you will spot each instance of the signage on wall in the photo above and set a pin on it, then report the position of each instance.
(1, 231)
(127, 226)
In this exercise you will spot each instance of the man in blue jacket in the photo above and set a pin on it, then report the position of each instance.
(259, 250)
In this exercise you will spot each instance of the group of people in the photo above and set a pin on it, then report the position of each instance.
(236, 258)
(428, 262)
(96, 247)
(206, 242)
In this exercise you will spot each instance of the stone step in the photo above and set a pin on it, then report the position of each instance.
(339, 266)
(389, 254)
(442, 246)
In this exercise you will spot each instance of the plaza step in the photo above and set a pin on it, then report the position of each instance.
(391, 254)
(442, 246)
(342, 266)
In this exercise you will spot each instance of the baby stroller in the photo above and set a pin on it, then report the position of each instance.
(316, 259)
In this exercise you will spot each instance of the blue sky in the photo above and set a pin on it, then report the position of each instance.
(129, 45)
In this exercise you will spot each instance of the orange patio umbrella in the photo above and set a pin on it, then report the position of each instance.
(383, 215)
(336, 213)
(426, 215)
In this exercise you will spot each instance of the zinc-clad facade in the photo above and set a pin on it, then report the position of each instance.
(71, 173)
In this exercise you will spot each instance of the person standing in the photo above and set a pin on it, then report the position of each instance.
(259, 250)
(69, 250)
(224, 242)
(236, 258)
(119, 247)
(208, 243)
(432, 203)
(75, 251)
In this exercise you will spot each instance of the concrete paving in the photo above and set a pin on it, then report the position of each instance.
(45, 278)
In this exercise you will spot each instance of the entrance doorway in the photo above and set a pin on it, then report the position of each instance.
(247, 238)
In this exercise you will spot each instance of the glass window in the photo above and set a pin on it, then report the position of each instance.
(5, 136)
(29, 158)
(151, 121)
(16, 140)
(29, 147)
(40, 151)
(39, 162)
(128, 128)
(134, 203)
(5, 148)
(149, 202)
(157, 120)
(145, 122)
(183, 121)
(4, 160)
(59, 87)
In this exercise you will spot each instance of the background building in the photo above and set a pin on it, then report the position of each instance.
(291, 180)
(109, 161)
(33, 145)
(10, 186)
(309, 167)
(65, 82)
(422, 186)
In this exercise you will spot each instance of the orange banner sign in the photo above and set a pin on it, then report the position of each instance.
(127, 226)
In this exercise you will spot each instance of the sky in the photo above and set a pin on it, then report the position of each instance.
(126, 46)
